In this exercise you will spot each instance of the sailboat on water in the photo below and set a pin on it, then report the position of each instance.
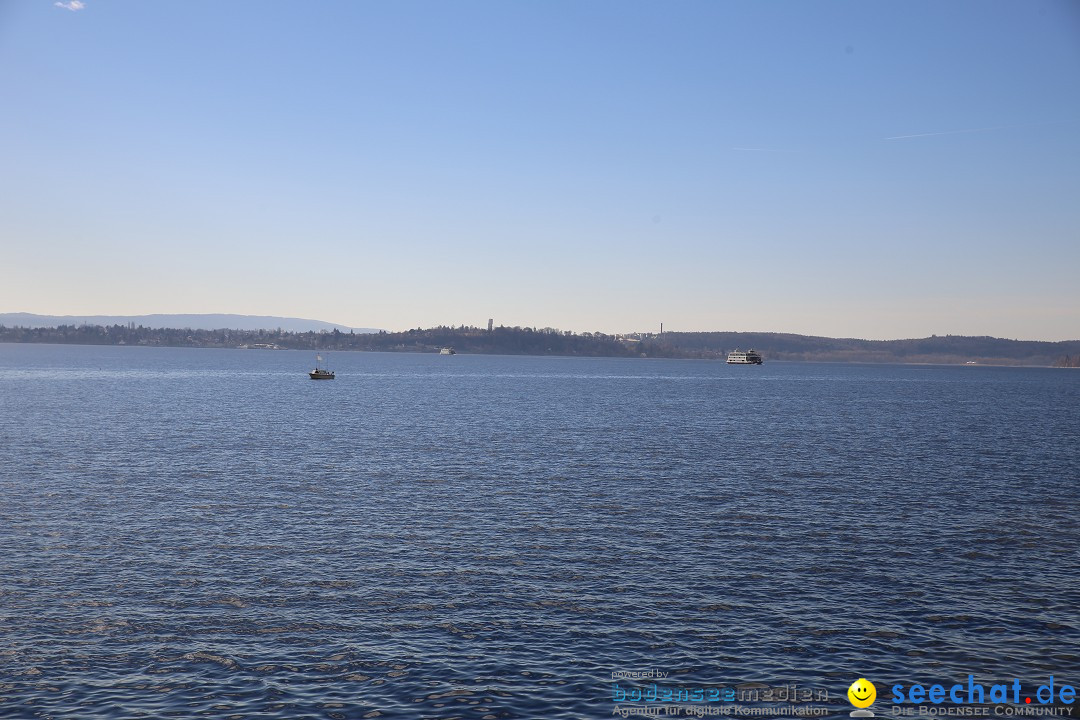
(320, 373)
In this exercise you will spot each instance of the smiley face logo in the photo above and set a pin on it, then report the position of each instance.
(862, 693)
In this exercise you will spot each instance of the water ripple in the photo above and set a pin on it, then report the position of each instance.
(492, 541)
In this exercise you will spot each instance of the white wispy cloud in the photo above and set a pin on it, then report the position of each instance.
(945, 132)
(980, 129)
(73, 5)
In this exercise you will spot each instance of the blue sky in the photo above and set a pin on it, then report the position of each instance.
(866, 169)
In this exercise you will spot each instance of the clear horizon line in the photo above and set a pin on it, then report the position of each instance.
(481, 327)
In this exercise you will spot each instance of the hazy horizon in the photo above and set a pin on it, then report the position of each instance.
(845, 169)
(368, 328)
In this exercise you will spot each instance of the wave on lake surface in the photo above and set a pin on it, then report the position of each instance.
(209, 533)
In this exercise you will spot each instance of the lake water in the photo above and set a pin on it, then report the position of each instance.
(209, 533)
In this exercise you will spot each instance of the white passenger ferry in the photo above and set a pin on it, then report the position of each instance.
(739, 357)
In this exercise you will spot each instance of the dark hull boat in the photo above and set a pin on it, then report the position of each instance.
(320, 373)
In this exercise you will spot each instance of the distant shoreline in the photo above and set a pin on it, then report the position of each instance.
(554, 356)
(935, 350)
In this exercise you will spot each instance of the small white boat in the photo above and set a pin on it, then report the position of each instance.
(448, 351)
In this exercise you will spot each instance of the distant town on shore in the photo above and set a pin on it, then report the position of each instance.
(501, 340)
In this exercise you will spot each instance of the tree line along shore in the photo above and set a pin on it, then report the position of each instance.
(943, 349)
